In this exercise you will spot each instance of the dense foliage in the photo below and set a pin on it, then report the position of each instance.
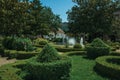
(17, 43)
(19, 54)
(27, 17)
(107, 66)
(48, 63)
(77, 46)
(57, 70)
(97, 48)
(40, 41)
(88, 15)
(48, 54)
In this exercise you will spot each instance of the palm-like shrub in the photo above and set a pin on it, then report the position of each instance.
(97, 48)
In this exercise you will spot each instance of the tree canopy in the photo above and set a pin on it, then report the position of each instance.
(92, 16)
(26, 17)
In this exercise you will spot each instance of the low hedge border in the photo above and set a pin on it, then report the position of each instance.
(108, 69)
(94, 52)
(56, 70)
(114, 53)
(40, 46)
(12, 71)
(61, 49)
(68, 49)
(19, 54)
(75, 53)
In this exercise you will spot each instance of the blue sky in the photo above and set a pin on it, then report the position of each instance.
(59, 7)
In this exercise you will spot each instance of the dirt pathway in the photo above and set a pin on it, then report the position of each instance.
(4, 60)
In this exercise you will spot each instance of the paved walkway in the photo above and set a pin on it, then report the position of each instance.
(4, 60)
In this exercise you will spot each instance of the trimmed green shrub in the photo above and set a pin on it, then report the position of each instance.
(77, 45)
(48, 65)
(107, 66)
(97, 48)
(75, 53)
(23, 44)
(48, 54)
(20, 44)
(40, 41)
(114, 53)
(19, 54)
(57, 70)
(68, 49)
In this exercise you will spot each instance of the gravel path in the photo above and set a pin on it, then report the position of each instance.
(4, 60)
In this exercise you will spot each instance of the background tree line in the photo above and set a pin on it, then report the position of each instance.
(18, 17)
(93, 17)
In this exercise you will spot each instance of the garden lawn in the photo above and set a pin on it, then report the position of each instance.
(82, 69)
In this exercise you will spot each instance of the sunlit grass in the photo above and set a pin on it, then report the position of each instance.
(83, 69)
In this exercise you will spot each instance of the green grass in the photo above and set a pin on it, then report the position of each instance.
(8, 72)
(82, 69)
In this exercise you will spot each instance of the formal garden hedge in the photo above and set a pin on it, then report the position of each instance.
(97, 48)
(68, 49)
(40, 41)
(18, 43)
(77, 45)
(48, 65)
(114, 53)
(75, 53)
(109, 66)
(19, 54)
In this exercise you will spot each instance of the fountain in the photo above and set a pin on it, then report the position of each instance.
(72, 41)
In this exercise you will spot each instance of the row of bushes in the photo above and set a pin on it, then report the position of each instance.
(40, 41)
(68, 49)
(17, 43)
(75, 53)
(107, 67)
(114, 53)
(19, 54)
(47, 65)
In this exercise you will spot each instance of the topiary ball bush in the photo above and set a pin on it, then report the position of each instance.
(77, 46)
(97, 48)
(48, 65)
(40, 41)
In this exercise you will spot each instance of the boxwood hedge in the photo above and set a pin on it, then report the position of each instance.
(48, 65)
(97, 48)
(19, 54)
(107, 67)
(75, 53)
(57, 70)
(68, 49)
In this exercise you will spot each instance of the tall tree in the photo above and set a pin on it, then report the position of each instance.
(12, 16)
(92, 16)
